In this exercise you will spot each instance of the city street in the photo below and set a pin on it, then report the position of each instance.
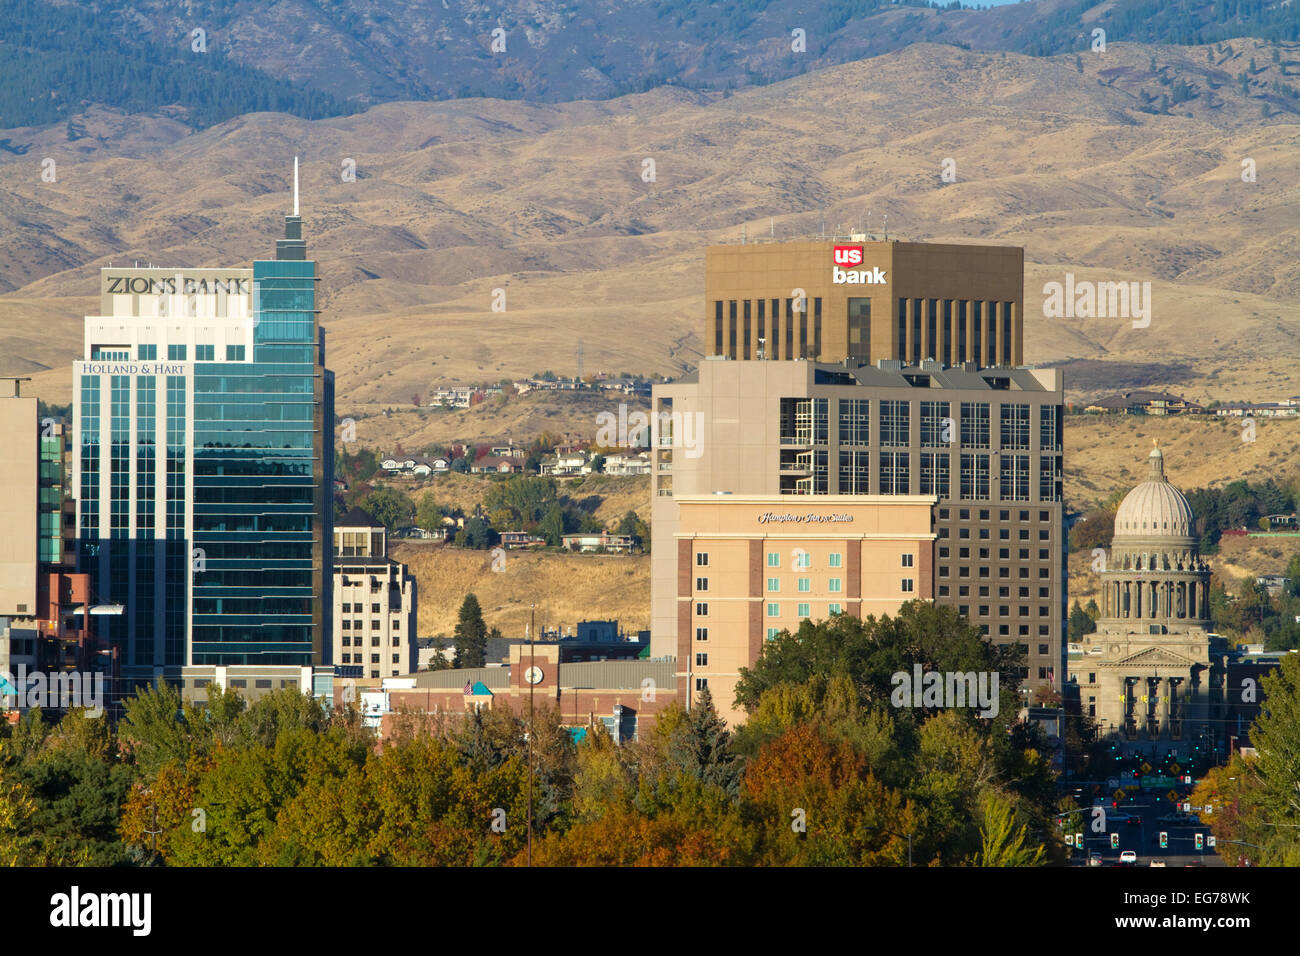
(1154, 813)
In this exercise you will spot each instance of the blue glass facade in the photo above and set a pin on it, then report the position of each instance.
(205, 488)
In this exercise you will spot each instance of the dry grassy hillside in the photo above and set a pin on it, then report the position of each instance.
(547, 202)
(565, 588)
(608, 497)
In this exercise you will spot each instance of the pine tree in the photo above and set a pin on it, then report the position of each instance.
(471, 635)
(702, 747)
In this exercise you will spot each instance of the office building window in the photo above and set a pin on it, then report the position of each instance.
(234, 353)
(147, 353)
(1014, 477)
(1015, 427)
(974, 425)
(855, 472)
(204, 353)
(936, 425)
(934, 473)
(975, 477)
(894, 417)
(176, 353)
(855, 421)
(894, 476)
(902, 330)
(860, 329)
(1049, 428)
(1049, 478)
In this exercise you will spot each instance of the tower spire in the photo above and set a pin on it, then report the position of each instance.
(295, 185)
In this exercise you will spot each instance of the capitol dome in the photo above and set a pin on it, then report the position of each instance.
(1154, 508)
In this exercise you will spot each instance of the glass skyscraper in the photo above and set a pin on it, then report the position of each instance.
(203, 426)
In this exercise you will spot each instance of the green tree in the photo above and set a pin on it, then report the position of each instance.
(471, 635)
(428, 515)
(1080, 623)
(391, 507)
(1276, 736)
(702, 747)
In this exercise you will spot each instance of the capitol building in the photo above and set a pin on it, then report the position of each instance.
(1152, 673)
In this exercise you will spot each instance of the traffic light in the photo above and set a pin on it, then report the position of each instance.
(1200, 842)
(1114, 841)
(1164, 840)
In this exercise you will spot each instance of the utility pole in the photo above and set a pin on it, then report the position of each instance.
(528, 676)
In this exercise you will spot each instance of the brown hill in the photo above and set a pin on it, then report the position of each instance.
(453, 200)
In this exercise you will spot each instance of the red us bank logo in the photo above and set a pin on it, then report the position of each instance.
(848, 255)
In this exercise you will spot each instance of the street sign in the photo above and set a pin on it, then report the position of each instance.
(1118, 794)
(1209, 840)
(1176, 769)
(1187, 807)
(1069, 839)
(1209, 809)
(1172, 796)
(1146, 767)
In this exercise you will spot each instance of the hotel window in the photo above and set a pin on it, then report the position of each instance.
(1042, 554)
(372, 673)
(717, 327)
(894, 477)
(347, 639)
(374, 641)
(934, 473)
(908, 559)
(347, 658)
(907, 585)
(936, 426)
(773, 559)
(803, 610)
(397, 658)
(702, 609)
(855, 421)
(374, 658)
(347, 625)
(701, 683)
(974, 425)
(855, 472)
(702, 559)
(234, 353)
(975, 477)
(356, 625)
(1023, 554)
(834, 560)
(774, 610)
(701, 660)
(836, 609)
(774, 584)
(834, 586)
(772, 633)
(1015, 427)
(701, 584)
(943, 590)
(176, 353)
(805, 585)
(894, 416)
(204, 353)
(701, 633)
(147, 353)
(374, 609)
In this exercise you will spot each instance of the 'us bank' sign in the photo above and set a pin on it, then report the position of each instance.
(852, 256)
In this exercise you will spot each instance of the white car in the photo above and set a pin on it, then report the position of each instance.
(1128, 857)
(1157, 862)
